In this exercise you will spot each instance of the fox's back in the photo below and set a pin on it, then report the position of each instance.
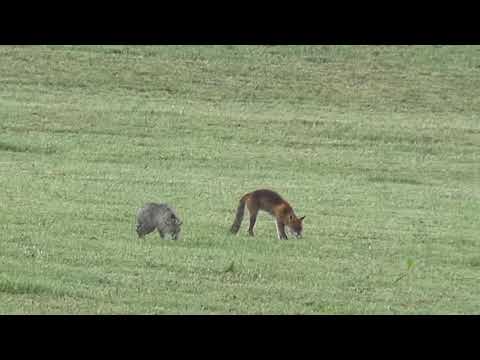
(268, 200)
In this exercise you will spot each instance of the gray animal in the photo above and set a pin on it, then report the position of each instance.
(160, 217)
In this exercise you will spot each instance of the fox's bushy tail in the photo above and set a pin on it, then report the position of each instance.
(239, 215)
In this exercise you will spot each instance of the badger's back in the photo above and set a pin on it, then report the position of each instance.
(154, 214)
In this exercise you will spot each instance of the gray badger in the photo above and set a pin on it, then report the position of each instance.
(160, 217)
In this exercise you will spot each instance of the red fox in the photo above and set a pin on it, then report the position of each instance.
(275, 205)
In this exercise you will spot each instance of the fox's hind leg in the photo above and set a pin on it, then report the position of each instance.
(253, 219)
(253, 208)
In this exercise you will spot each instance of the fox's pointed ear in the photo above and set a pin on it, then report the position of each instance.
(303, 217)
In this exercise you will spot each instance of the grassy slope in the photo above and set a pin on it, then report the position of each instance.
(377, 146)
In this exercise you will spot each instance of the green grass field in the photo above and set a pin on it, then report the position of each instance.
(377, 145)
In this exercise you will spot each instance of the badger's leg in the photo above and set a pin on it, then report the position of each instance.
(142, 230)
(162, 235)
(176, 235)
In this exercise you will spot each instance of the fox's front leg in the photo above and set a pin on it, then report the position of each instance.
(281, 231)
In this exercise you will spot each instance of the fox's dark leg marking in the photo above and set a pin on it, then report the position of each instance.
(281, 231)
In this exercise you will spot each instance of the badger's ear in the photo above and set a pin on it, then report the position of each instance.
(303, 217)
